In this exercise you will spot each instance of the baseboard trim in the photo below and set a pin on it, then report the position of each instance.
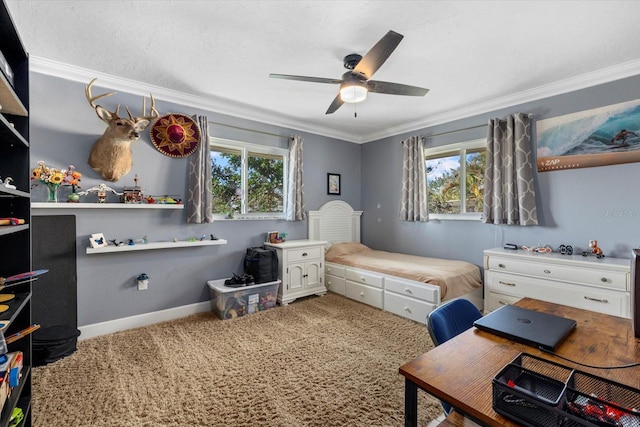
(137, 321)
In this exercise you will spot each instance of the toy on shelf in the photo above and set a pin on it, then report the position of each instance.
(594, 250)
(565, 250)
(539, 249)
(101, 190)
(8, 184)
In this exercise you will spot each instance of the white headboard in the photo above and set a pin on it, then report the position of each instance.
(335, 222)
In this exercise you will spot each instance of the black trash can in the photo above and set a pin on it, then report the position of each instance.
(51, 343)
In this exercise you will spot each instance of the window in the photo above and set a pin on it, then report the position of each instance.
(455, 180)
(248, 180)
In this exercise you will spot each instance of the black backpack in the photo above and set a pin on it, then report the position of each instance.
(262, 264)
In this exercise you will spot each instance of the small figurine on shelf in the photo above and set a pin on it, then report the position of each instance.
(101, 189)
(132, 194)
(594, 250)
(7, 183)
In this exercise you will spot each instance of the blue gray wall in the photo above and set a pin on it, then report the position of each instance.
(63, 129)
(574, 206)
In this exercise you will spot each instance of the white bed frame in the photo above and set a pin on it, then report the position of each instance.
(337, 222)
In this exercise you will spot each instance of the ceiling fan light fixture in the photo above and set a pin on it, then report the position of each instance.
(352, 92)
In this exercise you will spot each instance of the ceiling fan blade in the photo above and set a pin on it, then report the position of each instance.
(337, 103)
(306, 78)
(377, 86)
(379, 53)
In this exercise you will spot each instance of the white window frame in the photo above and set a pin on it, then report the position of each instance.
(460, 149)
(245, 148)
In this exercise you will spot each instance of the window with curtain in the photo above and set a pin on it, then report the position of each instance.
(455, 180)
(248, 180)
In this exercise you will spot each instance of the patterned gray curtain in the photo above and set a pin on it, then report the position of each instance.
(509, 194)
(200, 198)
(295, 196)
(414, 181)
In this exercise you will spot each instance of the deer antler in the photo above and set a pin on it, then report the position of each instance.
(153, 113)
(92, 99)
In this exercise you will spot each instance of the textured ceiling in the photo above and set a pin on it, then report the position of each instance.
(474, 56)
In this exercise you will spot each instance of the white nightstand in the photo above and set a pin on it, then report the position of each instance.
(301, 269)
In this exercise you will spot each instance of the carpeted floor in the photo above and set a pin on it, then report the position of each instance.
(321, 361)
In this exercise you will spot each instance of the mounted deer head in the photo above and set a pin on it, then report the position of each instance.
(111, 155)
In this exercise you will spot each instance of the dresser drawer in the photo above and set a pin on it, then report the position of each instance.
(364, 277)
(334, 269)
(419, 291)
(410, 308)
(602, 278)
(335, 284)
(363, 293)
(494, 301)
(295, 255)
(588, 298)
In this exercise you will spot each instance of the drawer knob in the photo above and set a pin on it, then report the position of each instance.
(548, 271)
(304, 254)
(407, 309)
(329, 282)
(407, 290)
(502, 265)
(361, 294)
(363, 279)
(506, 283)
(604, 301)
(604, 280)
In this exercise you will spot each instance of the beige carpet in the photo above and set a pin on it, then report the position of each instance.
(321, 361)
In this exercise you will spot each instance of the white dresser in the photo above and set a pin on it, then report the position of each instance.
(601, 285)
(301, 269)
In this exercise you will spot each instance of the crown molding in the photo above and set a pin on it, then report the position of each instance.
(237, 109)
(605, 75)
(214, 104)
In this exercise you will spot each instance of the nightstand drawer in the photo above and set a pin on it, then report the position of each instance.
(295, 255)
(602, 278)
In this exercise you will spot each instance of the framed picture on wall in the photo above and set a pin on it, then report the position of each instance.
(333, 183)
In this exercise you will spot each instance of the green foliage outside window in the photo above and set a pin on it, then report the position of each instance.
(265, 183)
(444, 183)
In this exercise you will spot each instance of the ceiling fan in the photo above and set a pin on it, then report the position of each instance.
(356, 82)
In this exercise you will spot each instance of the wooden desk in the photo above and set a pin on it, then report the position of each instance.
(460, 370)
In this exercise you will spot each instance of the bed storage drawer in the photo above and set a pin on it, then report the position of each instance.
(410, 308)
(363, 293)
(336, 270)
(409, 289)
(364, 277)
(335, 284)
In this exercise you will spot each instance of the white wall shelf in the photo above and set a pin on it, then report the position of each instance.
(45, 205)
(155, 245)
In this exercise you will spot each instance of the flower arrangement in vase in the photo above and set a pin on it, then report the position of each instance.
(54, 178)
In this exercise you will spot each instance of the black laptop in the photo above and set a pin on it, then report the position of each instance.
(527, 326)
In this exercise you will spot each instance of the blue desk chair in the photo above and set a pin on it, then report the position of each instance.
(447, 321)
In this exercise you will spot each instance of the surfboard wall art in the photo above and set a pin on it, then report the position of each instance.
(598, 137)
